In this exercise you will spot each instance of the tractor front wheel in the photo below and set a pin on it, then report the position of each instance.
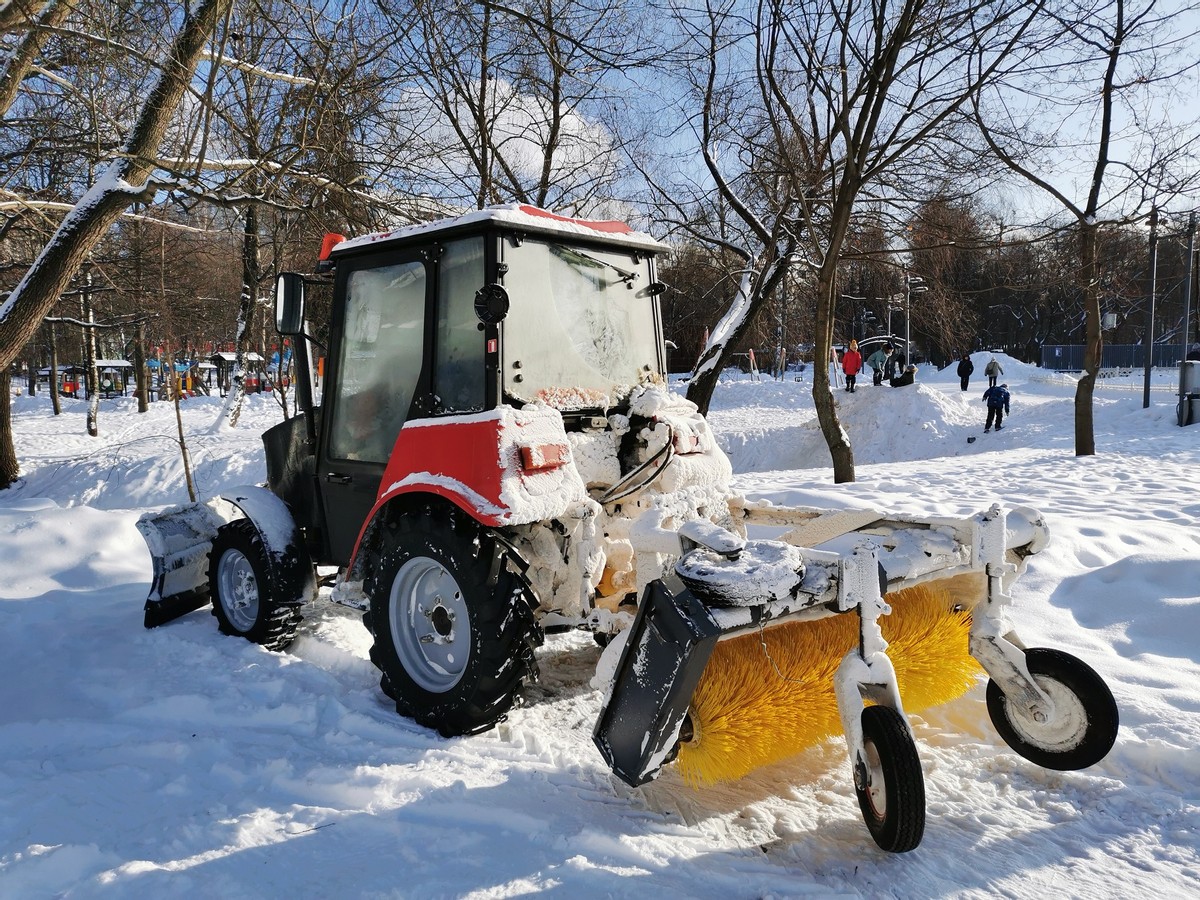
(453, 632)
(240, 579)
(1084, 725)
(889, 782)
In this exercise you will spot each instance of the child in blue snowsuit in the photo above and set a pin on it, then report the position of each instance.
(996, 397)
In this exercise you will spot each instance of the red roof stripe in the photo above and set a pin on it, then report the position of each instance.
(608, 226)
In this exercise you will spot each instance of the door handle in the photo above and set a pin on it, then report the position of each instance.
(338, 478)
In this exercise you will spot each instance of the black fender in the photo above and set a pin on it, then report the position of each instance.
(295, 575)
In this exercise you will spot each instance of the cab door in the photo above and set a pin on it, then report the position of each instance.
(378, 369)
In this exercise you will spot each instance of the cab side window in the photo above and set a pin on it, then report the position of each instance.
(380, 361)
(458, 377)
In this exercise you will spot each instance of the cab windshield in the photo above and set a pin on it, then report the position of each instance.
(581, 330)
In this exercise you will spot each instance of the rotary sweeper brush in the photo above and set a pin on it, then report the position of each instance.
(495, 457)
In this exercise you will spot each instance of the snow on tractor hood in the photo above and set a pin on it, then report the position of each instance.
(506, 466)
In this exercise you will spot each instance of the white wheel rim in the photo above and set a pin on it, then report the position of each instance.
(429, 623)
(238, 586)
(876, 788)
(1064, 732)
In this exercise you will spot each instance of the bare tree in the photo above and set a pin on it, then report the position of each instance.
(513, 96)
(125, 179)
(1089, 127)
(804, 111)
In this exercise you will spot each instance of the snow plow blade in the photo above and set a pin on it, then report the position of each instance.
(179, 540)
(669, 644)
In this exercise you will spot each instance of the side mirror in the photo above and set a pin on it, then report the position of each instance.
(289, 303)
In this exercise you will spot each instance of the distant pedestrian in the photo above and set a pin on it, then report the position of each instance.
(877, 361)
(996, 397)
(965, 368)
(993, 371)
(1194, 353)
(909, 376)
(851, 365)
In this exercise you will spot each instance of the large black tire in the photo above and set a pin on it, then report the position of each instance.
(245, 589)
(454, 635)
(891, 787)
(1086, 719)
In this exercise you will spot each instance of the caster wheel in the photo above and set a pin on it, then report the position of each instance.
(889, 782)
(1084, 726)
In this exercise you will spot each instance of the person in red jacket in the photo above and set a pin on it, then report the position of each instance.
(851, 365)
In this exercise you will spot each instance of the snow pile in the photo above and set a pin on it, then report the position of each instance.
(177, 762)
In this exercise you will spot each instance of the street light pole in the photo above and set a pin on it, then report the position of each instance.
(913, 284)
(855, 318)
(1149, 337)
(1187, 312)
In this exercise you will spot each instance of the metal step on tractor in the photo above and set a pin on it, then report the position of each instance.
(496, 456)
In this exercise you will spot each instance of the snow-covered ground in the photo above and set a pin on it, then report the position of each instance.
(176, 762)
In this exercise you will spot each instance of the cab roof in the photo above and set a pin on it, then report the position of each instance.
(522, 217)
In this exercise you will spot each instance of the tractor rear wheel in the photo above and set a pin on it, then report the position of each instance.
(891, 785)
(1084, 726)
(453, 632)
(243, 588)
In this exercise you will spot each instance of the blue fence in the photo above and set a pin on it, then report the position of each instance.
(1069, 357)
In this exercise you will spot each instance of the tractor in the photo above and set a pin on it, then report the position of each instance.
(496, 456)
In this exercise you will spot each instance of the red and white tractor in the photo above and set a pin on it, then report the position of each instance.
(496, 456)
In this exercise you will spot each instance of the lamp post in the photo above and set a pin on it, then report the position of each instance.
(893, 305)
(856, 316)
(1187, 312)
(1148, 340)
(913, 284)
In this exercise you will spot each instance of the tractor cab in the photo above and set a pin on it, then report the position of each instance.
(510, 305)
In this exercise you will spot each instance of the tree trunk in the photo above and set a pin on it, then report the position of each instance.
(233, 402)
(1085, 438)
(835, 436)
(700, 387)
(55, 400)
(89, 361)
(140, 381)
(8, 454)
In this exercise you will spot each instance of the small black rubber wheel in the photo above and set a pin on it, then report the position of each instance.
(1084, 727)
(454, 635)
(890, 786)
(244, 591)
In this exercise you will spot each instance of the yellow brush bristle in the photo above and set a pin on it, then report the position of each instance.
(756, 706)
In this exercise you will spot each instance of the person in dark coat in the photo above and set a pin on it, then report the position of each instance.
(996, 397)
(965, 368)
(909, 376)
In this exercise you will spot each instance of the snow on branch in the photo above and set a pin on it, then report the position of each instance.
(22, 203)
(252, 69)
